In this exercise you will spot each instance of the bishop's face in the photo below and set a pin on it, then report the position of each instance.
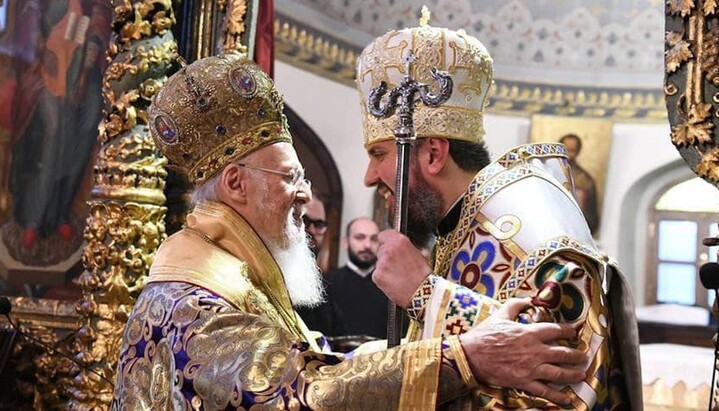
(278, 200)
(424, 208)
(277, 194)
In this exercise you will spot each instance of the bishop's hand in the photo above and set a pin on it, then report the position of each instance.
(400, 267)
(505, 353)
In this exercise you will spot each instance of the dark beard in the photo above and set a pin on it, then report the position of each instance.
(423, 211)
(362, 265)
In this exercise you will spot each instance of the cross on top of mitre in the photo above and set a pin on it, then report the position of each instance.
(424, 16)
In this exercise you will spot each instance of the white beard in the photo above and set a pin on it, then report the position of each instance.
(297, 263)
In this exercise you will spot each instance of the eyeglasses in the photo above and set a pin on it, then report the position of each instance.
(320, 225)
(294, 177)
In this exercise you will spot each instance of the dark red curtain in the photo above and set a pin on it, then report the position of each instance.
(265, 37)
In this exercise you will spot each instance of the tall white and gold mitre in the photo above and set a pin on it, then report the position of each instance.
(464, 57)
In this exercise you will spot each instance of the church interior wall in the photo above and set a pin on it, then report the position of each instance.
(637, 150)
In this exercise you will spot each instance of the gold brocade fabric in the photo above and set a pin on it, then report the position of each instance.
(243, 270)
(214, 329)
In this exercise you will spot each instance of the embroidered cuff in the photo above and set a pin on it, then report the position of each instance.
(460, 362)
(417, 305)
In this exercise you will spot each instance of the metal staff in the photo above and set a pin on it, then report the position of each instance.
(403, 99)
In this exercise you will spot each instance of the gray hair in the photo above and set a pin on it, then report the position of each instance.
(207, 191)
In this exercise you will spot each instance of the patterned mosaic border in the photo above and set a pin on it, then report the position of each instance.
(581, 35)
(325, 55)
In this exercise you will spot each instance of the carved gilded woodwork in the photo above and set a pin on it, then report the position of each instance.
(692, 88)
(126, 219)
(233, 25)
(126, 223)
(39, 377)
(210, 27)
(692, 83)
(315, 52)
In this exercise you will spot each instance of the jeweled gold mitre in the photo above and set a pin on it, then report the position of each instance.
(463, 56)
(215, 111)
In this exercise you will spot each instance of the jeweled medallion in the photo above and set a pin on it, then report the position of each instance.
(243, 82)
(165, 128)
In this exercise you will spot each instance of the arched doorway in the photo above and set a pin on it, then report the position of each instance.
(321, 169)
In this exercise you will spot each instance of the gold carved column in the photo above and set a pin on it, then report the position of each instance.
(692, 87)
(126, 220)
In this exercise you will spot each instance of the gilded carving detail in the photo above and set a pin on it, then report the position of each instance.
(233, 25)
(126, 220)
(308, 51)
(697, 129)
(710, 53)
(692, 48)
(710, 7)
(678, 52)
(708, 166)
(39, 377)
(680, 7)
(691, 85)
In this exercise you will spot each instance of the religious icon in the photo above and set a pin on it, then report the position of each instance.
(165, 128)
(587, 142)
(53, 59)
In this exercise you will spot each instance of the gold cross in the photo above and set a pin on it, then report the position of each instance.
(466, 57)
(382, 57)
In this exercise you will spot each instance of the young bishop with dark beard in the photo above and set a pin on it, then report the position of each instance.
(504, 229)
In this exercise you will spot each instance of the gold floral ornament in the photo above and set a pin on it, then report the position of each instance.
(708, 166)
(215, 111)
(710, 7)
(680, 7)
(678, 52)
(234, 26)
(697, 128)
(710, 53)
(464, 57)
